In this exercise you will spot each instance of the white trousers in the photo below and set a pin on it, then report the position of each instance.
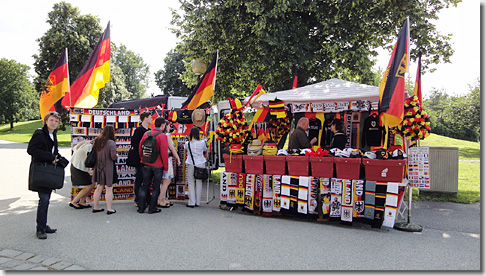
(194, 185)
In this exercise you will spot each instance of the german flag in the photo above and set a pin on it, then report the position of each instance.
(57, 85)
(417, 91)
(204, 90)
(392, 88)
(95, 73)
(294, 84)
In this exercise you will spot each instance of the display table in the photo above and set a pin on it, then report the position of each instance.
(373, 198)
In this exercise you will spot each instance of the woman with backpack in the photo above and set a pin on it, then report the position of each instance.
(197, 147)
(104, 172)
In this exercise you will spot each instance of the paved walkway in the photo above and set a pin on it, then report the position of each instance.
(208, 238)
(18, 260)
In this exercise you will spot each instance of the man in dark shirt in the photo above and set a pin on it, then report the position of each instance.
(146, 120)
(298, 138)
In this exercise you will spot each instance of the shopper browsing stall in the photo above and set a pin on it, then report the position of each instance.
(195, 147)
(298, 138)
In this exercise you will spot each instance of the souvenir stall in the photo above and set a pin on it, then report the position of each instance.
(364, 182)
(87, 124)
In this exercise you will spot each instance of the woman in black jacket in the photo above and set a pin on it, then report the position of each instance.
(43, 148)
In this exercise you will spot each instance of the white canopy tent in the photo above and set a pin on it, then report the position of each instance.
(333, 90)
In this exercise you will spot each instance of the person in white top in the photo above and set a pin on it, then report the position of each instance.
(167, 177)
(198, 148)
(80, 174)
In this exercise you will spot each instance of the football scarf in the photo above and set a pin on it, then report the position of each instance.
(267, 195)
(391, 204)
(232, 188)
(336, 197)
(303, 194)
(380, 199)
(285, 193)
(257, 207)
(359, 205)
(223, 192)
(276, 192)
(313, 195)
(240, 188)
(290, 191)
(370, 187)
(249, 191)
(325, 194)
(347, 201)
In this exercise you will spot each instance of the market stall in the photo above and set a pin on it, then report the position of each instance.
(264, 177)
(87, 124)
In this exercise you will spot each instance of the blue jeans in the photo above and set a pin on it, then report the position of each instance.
(152, 176)
(42, 211)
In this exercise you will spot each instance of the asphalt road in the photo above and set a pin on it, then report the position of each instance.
(208, 238)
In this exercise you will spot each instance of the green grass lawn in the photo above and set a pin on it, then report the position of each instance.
(22, 132)
(469, 171)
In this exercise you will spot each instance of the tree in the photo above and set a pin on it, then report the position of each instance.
(133, 68)
(78, 33)
(455, 116)
(168, 79)
(18, 100)
(263, 41)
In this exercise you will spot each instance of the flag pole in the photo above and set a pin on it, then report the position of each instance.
(69, 83)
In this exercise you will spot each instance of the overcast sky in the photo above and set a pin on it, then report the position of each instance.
(143, 27)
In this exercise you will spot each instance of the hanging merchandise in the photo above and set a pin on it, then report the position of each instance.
(416, 123)
(373, 133)
(278, 128)
(233, 127)
(277, 108)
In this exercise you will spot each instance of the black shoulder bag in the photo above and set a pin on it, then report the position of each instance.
(199, 173)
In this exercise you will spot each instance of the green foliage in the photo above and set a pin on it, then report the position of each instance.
(18, 100)
(168, 79)
(68, 29)
(80, 33)
(263, 41)
(134, 69)
(455, 116)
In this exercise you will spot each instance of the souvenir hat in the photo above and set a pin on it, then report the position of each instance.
(356, 153)
(398, 154)
(369, 154)
(198, 117)
(302, 152)
(382, 154)
(282, 152)
(255, 148)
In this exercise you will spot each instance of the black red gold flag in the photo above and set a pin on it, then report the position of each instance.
(57, 85)
(392, 88)
(417, 91)
(294, 84)
(94, 75)
(204, 90)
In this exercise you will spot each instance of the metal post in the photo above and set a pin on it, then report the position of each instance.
(409, 226)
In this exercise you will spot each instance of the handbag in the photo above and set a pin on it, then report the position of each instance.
(63, 162)
(199, 173)
(46, 175)
(90, 161)
(133, 159)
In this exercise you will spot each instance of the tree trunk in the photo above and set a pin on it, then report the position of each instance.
(11, 124)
